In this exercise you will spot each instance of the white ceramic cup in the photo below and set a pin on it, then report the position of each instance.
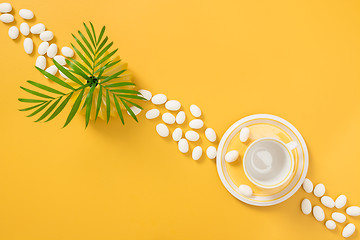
(269, 162)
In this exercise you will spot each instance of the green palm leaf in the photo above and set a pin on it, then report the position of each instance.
(90, 70)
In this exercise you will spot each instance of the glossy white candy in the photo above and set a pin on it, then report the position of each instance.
(183, 145)
(319, 190)
(162, 130)
(244, 134)
(62, 74)
(46, 36)
(52, 70)
(330, 224)
(353, 211)
(159, 99)
(210, 134)
(26, 14)
(318, 213)
(52, 50)
(67, 52)
(195, 110)
(328, 201)
(28, 45)
(13, 32)
(196, 124)
(245, 190)
(135, 110)
(60, 59)
(306, 206)
(7, 18)
(43, 47)
(232, 156)
(308, 185)
(348, 230)
(180, 117)
(37, 28)
(24, 29)
(211, 152)
(177, 134)
(192, 136)
(5, 7)
(145, 94)
(340, 201)
(173, 105)
(197, 152)
(168, 118)
(153, 113)
(41, 62)
(339, 217)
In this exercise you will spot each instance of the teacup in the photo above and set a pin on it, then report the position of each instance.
(269, 162)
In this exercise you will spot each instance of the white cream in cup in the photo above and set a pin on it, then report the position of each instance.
(269, 162)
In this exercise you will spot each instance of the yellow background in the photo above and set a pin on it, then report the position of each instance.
(295, 59)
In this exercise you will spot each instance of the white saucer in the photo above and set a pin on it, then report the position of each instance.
(261, 198)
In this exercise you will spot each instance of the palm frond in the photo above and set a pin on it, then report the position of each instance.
(84, 76)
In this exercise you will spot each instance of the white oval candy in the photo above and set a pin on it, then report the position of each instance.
(24, 29)
(244, 134)
(232, 156)
(134, 109)
(145, 94)
(196, 124)
(159, 99)
(340, 201)
(245, 190)
(162, 130)
(319, 190)
(306, 206)
(52, 70)
(211, 152)
(5, 7)
(210, 134)
(13, 32)
(168, 118)
(192, 136)
(26, 14)
(7, 18)
(173, 105)
(330, 224)
(37, 28)
(177, 134)
(353, 211)
(308, 185)
(52, 50)
(348, 230)
(195, 110)
(183, 145)
(67, 52)
(153, 113)
(47, 36)
(180, 117)
(28, 45)
(41, 62)
(327, 201)
(62, 74)
(43, 47)
(60, 59)
(318, 213)
(339, 217)
(197, 152)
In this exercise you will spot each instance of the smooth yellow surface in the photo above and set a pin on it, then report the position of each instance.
(295, 59)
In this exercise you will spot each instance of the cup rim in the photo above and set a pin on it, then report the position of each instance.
(282, 180)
